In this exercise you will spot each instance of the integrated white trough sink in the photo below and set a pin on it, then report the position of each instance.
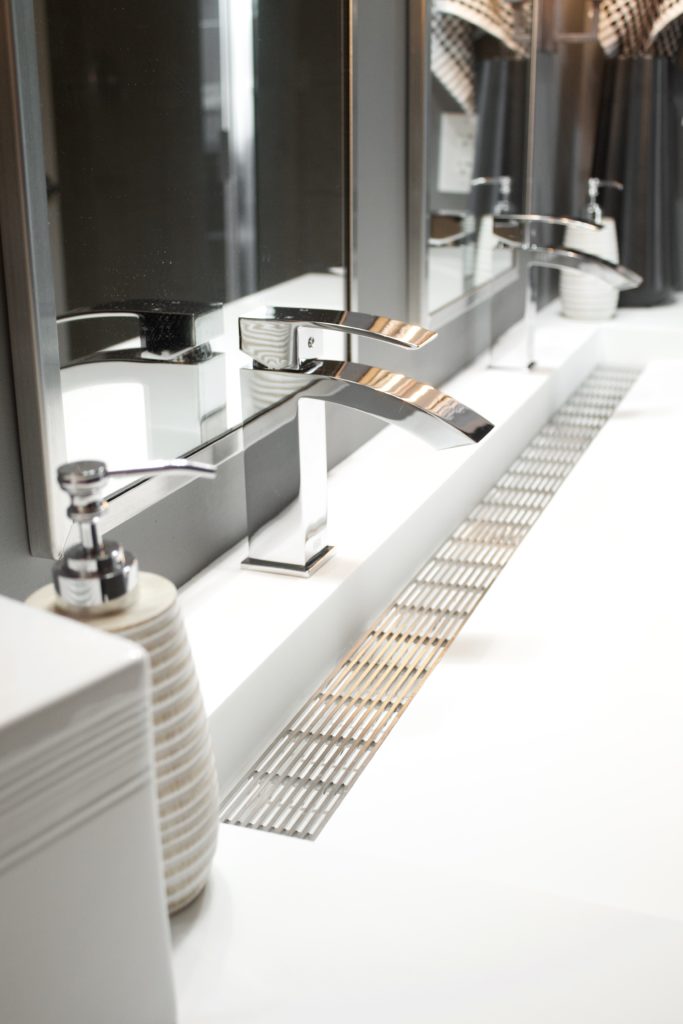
(513, 851)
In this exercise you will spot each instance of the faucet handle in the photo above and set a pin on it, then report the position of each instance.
(285, 338)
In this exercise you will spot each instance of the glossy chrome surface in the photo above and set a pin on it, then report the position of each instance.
(97, 575)
(579, 262)
(295, 541)
(426, 412)
(282, 337)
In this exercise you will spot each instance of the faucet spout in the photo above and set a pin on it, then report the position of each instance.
(431, 415)
(294, 541)
(578, 262)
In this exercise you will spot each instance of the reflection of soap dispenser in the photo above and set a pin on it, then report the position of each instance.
(584, 297)
(98, 581)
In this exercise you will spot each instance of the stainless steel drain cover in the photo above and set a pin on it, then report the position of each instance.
(299, 780)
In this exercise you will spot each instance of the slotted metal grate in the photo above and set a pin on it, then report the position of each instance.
(299, 780)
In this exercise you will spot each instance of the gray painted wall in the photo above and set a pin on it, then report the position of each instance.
(189, 529)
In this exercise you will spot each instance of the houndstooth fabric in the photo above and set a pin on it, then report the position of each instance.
(498, 18)
(452, 58)
(634, 27)
(455, 25)
(668, 24)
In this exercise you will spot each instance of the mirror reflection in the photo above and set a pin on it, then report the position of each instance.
(479, 53)
(195, 159)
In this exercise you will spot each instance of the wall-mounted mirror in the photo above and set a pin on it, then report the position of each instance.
(471, 62)
(176, 162)
(609, 107)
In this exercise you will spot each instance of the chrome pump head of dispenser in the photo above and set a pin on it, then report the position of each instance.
(96, 577)
(593, 211)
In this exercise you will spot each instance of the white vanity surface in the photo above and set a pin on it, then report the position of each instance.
(514, 852)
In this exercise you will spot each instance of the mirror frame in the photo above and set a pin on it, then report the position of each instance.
(418, 214)
(31, 296)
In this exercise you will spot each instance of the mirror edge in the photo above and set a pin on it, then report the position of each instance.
(28, 272)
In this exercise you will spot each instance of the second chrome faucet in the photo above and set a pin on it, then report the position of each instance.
(531, 254)
(302, 358)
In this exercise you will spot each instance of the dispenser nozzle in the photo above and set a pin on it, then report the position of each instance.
(98, 576)
(593, 208)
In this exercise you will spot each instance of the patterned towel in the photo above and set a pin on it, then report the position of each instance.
(634, 27)
(498, 18)
(670, 11)
(452, 58)
(455, 25)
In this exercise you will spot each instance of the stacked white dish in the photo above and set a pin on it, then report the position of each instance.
(81, 883)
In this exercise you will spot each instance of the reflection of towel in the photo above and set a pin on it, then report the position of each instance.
(454, 29)
(498, 18)
(452, 58)
(634, 27)
(667, 22)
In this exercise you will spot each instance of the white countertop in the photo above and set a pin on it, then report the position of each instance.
(262, 641)
(513, 852)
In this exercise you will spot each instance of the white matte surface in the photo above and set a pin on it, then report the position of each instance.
(513, 853)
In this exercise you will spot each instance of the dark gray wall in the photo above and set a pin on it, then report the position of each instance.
(299, 160)
(186, 531)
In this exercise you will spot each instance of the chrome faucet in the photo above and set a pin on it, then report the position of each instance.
(302, 354)
(530, 255)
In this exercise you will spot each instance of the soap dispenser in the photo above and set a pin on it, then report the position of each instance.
(99, 582)
(582, 296)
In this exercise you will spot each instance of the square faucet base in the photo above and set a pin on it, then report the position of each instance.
(290, 568)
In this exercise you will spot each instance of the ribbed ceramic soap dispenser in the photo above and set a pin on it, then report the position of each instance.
(583, 297)
(99, 581)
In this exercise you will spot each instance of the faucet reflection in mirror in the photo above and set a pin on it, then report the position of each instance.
(171, 361)
(304, 358)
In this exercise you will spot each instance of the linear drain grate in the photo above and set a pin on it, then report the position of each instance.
(296, 784)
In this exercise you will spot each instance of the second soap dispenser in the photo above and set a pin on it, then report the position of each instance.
(98, 581)
(582, 296)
